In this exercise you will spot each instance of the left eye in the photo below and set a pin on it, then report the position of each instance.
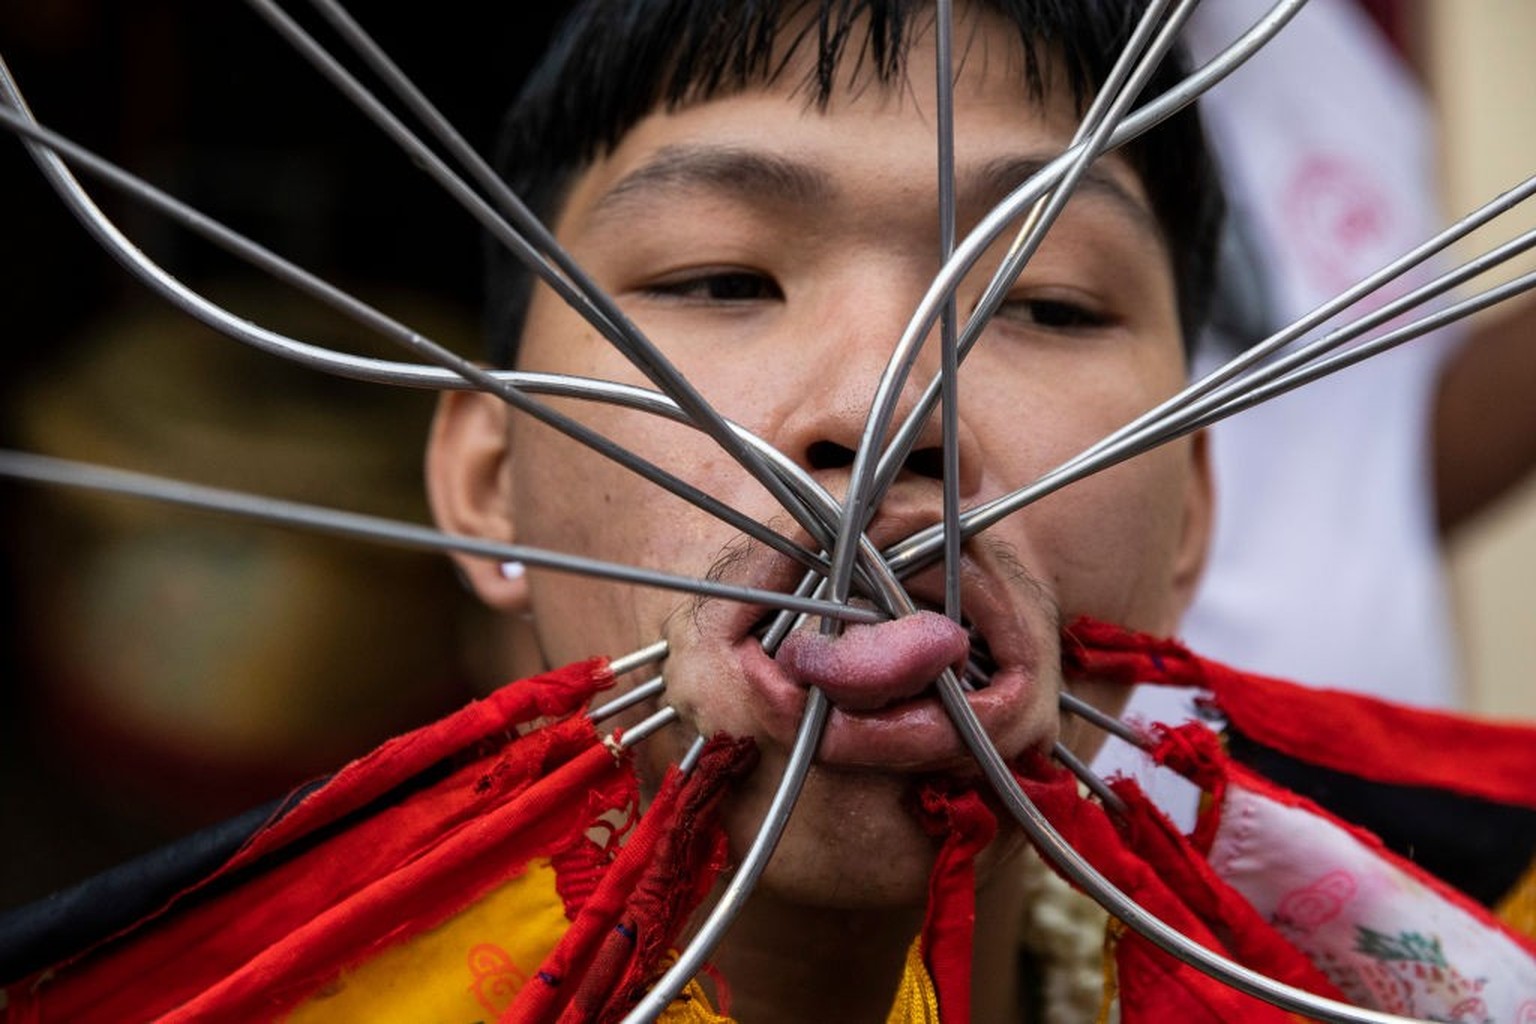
(1053, 313)
(725, 286)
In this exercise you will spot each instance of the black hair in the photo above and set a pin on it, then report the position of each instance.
(616, 61)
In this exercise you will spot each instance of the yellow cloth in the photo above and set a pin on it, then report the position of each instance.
(471, 967)
(1518, 908)
(917, 1000)
(467, 969)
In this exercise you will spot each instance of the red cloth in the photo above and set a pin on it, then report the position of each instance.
(1156, 988)
(554, 694)
(601, 964)
(690, 857)
(285, 915)
(1231, 918)
(1195, 752)
(1347, 732)
(967, 826)
(447, 876)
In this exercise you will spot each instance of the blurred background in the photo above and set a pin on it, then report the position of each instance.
(160, 670)
(1477, 62)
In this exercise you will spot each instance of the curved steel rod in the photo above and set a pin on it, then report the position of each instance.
(1288, 374)
(1097, 786)
(457, 373)
(895, 599)
(691, 757)
(1202, 959)
(1075, 705)
(1205, 403)
(949, 356)
(980, 238)
(1126, 80)
(647, 655)
(641, 693)
(586, 298)
(690, 960)
(509, 384)
(949, 687)
(284, 270)
(648, 727)
(1085, 876)
(1256, 353)
(382, 371)
(1295, 378)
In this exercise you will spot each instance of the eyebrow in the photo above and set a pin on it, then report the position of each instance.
(990, 182)
(771, 178)
(725, 169)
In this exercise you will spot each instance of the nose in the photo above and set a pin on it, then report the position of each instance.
(926, 461)
(853, 342)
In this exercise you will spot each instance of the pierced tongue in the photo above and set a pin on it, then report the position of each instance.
(870, 666)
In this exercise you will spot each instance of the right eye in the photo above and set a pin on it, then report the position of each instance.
(724, 286)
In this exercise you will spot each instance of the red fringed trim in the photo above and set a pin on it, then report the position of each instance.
(1113, 654)
(563, 970)
(1347, 732)
(579, 868)
(691, 856)
(722, 987)
(1195, 752)
(967, 826)
(634, 914)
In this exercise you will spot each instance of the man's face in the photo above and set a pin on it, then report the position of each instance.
(775, 252)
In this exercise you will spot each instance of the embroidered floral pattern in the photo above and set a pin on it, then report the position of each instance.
(496, 977)
(1308, 908)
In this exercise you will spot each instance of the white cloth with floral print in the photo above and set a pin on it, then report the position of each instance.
(1387, 939)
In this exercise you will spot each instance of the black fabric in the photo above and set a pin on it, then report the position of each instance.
(43, 933)
(73, 920)
(1478, 846)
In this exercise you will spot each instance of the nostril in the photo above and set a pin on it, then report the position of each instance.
(927, 462)
(828, 455)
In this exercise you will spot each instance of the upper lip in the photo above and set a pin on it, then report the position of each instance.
(987, 612)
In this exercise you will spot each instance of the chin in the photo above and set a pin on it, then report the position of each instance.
(850, 843)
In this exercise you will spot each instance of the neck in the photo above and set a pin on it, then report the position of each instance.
(791, 962)
(995, 995)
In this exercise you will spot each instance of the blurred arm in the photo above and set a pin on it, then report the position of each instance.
(1485, 416)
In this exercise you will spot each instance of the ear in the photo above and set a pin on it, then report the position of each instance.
(469, 485)
(1199, 514)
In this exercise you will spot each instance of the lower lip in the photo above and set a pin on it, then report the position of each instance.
(911, 736)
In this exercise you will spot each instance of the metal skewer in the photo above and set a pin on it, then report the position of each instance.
(81, 476)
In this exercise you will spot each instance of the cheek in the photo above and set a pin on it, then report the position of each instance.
(1107, 544)
(570, 499)
(1111, 541)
